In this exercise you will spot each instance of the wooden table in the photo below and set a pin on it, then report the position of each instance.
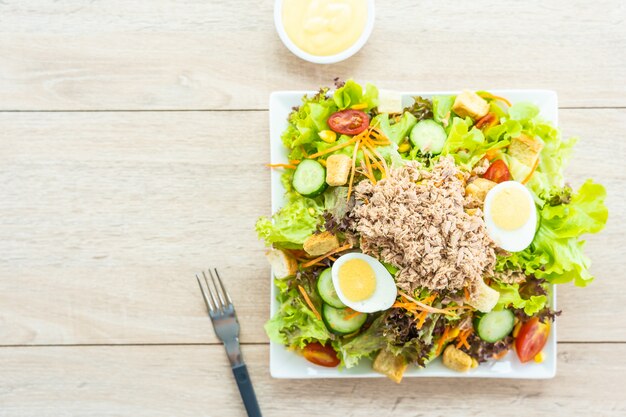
(133, 138)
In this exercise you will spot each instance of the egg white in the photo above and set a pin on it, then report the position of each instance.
(511, 240)
(385, 293)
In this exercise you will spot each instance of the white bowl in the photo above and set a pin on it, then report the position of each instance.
(327, 59)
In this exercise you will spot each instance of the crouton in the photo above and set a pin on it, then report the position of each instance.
(390, 365)
(320, 243)
(525, 149)
(338, 169)
(456, 359)
(283, 265)
(479, 188)
(389, 102)
(470, 104)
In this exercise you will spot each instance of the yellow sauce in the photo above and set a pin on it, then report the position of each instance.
(324, 27)
(357, 280)
(510, 208)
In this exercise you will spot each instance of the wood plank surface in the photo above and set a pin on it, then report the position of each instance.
(195, 381)
(105, 217)
(168, 54)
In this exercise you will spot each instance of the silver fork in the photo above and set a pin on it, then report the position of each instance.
(222, 313)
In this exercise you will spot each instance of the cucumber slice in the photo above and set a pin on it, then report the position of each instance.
(495, 325)
(327, 291)
(342, 320)
(309, 178)
(429, 136)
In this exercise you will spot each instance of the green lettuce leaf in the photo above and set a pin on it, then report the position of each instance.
(291, 225)
(510, 297)
(556, 253)
(442, 106)
(467, 144)
(352, 93)
(294, 324)
(397, 131)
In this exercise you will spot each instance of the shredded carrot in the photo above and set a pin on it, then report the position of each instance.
(380, 158)
(322, 161)
(367, 173)
(494, 97)
(351, 315)
(368, 164)
(332, 252)
(294, 161)
(466, 293)
(353, 169)
(462, 339)
(532, 171)
(425, 307)
(500, 355)
(421, 318)
(332, 258)
(308, 301)
(442, 340)
(333, 148)
(288, 166)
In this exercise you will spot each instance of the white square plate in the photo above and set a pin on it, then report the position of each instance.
(287, 364)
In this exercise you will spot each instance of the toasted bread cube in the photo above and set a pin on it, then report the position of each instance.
(525, 149)
(456, 359)
(389, 102)
(390, 365)
(470, 104)
(282, 264)
(320, 243)
(338, 169)
(479, 188)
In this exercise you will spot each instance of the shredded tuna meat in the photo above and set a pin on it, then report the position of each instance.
(415, 219)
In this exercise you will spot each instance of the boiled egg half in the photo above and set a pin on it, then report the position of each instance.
(363, 283)
(510, 216)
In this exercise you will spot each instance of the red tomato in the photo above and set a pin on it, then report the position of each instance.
(498, 172)
(320, 355)
(349, 122)
(489, 120)
(531, 339)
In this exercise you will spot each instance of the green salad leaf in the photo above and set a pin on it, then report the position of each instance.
(293, 223)
(351, 94)
(556, 253)
(467, 144)
(442, 106)
(510, 296)
(397, 131)
(294, 324)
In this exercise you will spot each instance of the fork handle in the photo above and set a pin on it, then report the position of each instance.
(246, 390)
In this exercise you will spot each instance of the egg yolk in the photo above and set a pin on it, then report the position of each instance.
(324, 27)
(357, 280)
(510, 208)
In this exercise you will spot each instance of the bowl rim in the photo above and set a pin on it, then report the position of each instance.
(325, 59)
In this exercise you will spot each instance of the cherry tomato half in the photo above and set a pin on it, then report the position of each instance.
(489, 120)
(320, 355)
(531, 339)
(349, 122)
(498, 172)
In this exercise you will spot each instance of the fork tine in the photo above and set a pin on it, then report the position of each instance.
(217, 290)
(218, 306)
(230, 301)
(209, 305)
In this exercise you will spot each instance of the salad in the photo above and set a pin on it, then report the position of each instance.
(411, 233)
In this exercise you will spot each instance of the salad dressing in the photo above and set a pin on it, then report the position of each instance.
(357, 280)
(324, 27)
(510, 209)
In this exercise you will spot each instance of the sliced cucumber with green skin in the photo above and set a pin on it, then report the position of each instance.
(342, 320)
(327, 291)
(495, 325)
(309, 178)
(429, 136)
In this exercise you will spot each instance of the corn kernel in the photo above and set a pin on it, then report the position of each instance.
(405, 147)
(359, 106)
(539, 357)
(474, 363)
(328, 136)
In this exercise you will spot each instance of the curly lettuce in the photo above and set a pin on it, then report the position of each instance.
(294, 324)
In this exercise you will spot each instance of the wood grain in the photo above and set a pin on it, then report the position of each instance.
(167, 54)
(105, 217)
(195, 381)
